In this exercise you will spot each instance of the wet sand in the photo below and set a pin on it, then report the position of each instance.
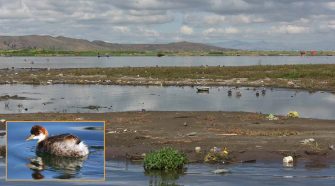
(248, 136)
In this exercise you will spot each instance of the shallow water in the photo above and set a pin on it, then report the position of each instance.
(124, 173)
(24, 163)
(87, 62)
(77, 98)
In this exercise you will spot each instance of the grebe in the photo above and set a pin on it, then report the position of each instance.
(66, 145)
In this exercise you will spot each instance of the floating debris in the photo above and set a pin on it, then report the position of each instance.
(202, 89)
(288, 161)
(221, 171)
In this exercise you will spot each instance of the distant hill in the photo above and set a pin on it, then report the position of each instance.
(270, 45)
(70, 44)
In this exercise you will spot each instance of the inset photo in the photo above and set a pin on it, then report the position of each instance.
(55, 151)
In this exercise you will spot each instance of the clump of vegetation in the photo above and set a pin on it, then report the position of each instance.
(160, 54)
(165, 159)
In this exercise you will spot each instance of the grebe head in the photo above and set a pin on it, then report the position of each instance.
(38, 132)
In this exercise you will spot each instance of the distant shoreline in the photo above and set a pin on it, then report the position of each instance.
(109, 53)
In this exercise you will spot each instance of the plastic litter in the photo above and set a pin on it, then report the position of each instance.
(272, 117)
(307, 141)
(221, 171)
(217, 155)
(197, 149)
(288, 161)
(293, 114)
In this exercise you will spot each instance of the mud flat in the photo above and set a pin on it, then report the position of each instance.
(312, 77)
(248, 136)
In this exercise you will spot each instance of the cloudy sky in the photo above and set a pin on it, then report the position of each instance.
(298, 23)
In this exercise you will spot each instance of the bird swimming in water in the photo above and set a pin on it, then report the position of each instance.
(66, 145)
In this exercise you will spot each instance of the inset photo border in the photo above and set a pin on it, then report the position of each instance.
(55, 151)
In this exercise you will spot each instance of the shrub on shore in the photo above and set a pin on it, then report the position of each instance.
(165, 159)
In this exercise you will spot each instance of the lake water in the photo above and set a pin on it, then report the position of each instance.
(125, 173)
(87, 62)
(78, 98)
(25, 164)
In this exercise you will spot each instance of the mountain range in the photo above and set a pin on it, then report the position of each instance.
(47, 42)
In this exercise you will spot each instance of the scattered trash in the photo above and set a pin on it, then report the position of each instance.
(293, 114)
(221, 171)
(49, 82)
(125, 130)
(288, 161)
(290, 83)
(331, 147)
(185, 124)
(197, 149)
(307, 141)
(191, 134)
(272, 117)
(112, 132)
(78, 119)
(217, 155)
(227, 134)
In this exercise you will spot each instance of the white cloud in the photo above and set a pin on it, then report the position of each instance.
(329, 5)
(186, 30)
(229, 4)
(214, 32)
(214, 19)
(121, 29)
(290, 29)
(331, 25)
(148, 32)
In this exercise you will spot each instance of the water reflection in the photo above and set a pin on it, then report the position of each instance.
(66, 168)
(105, 98)
(163, 177)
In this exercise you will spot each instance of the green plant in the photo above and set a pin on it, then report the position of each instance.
(165, 159)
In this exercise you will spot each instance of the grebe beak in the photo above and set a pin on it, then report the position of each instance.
(30, 137)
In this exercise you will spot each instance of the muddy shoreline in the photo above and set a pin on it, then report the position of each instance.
(307, 77)
(248, 136)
